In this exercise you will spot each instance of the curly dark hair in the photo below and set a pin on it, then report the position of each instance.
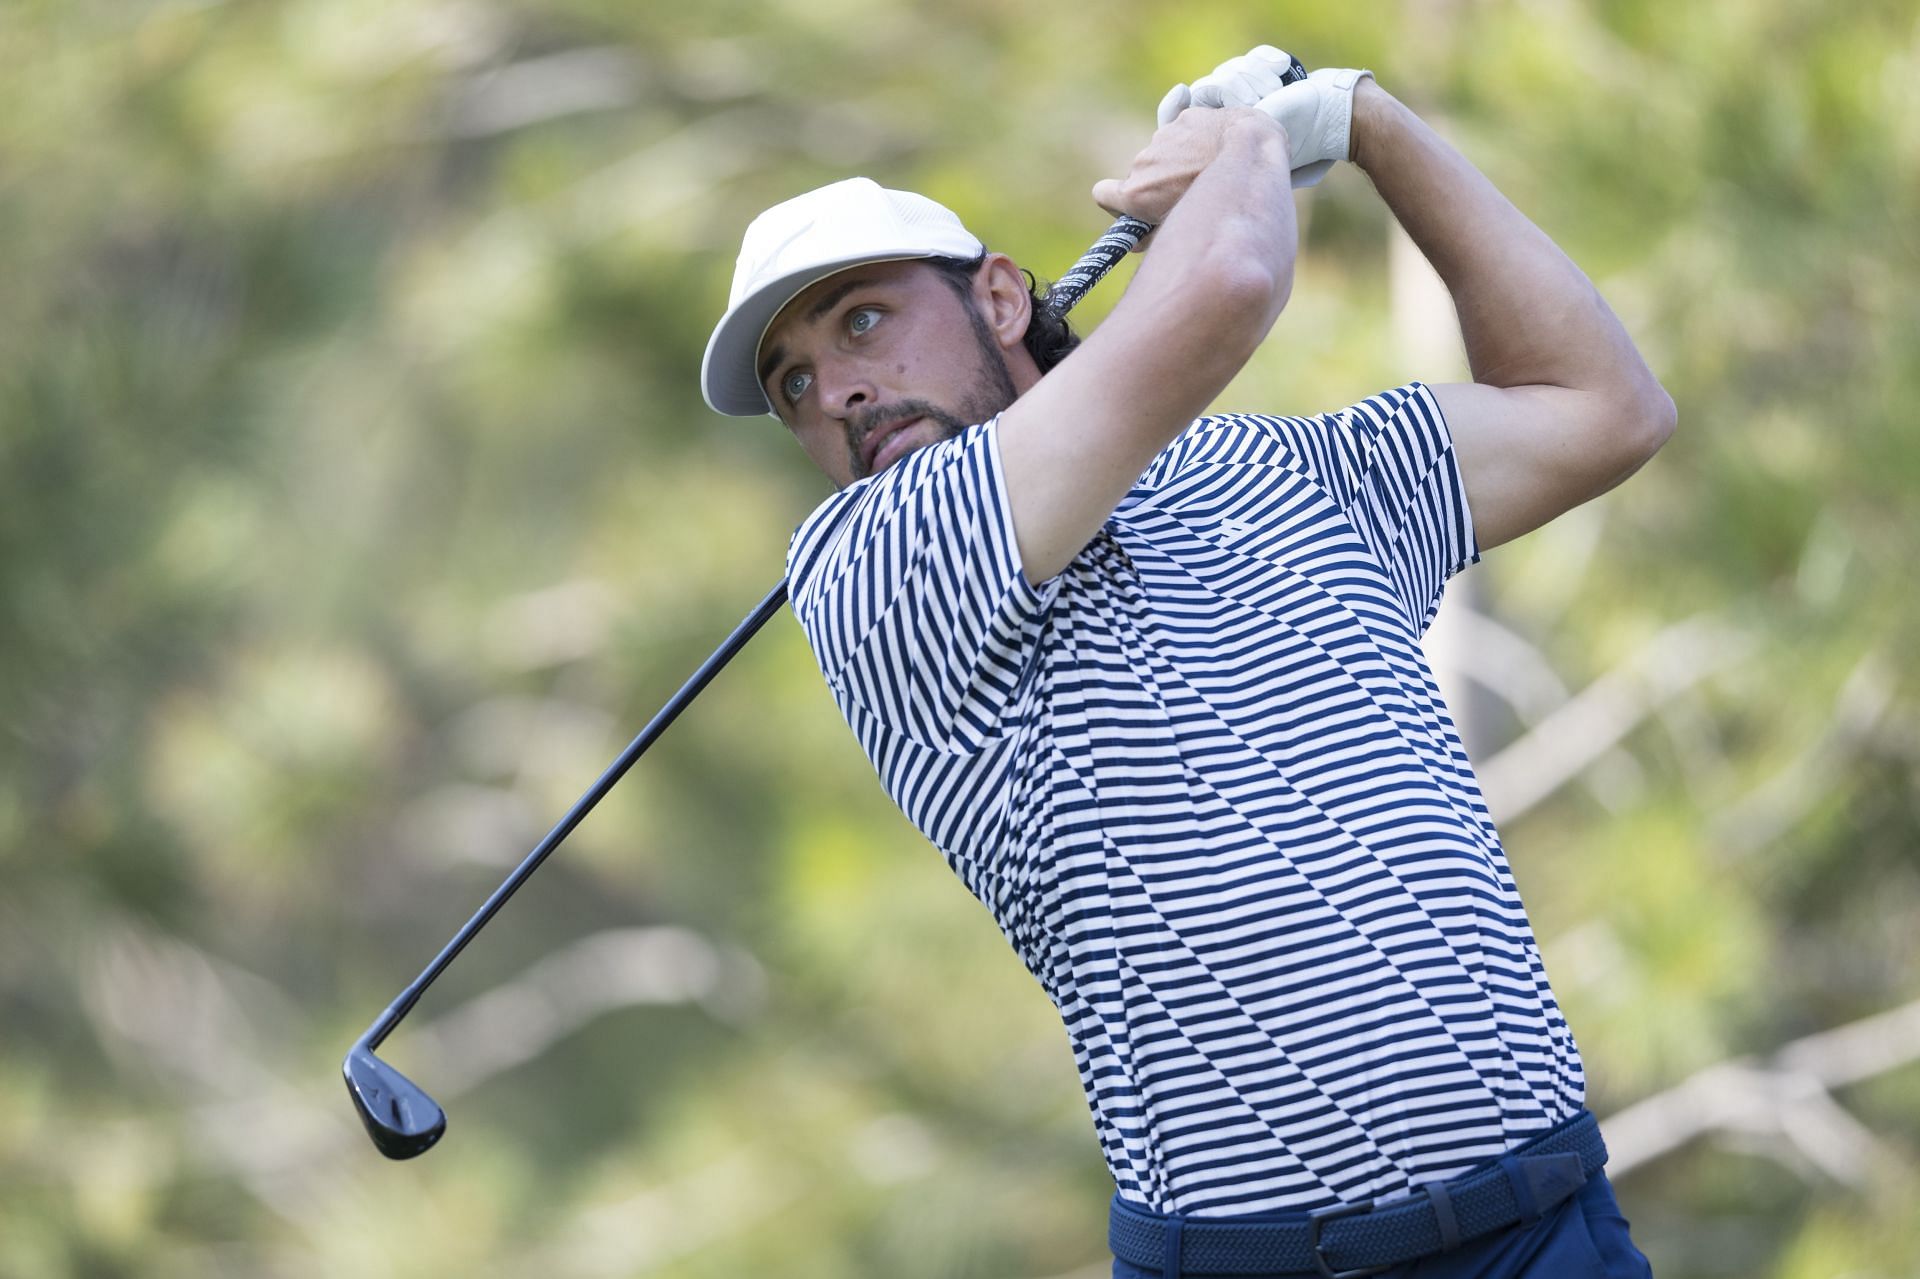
(1049, 339)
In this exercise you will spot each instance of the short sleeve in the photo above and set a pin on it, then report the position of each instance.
(910, 590)
(1402, 487)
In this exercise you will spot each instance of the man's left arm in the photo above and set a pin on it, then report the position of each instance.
(1562, 407)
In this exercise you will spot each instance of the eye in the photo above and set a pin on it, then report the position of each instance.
(795, 385)
(863, 320)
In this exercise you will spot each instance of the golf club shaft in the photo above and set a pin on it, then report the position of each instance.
(615, 771)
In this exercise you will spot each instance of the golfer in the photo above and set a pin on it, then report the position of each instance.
(1152, 683)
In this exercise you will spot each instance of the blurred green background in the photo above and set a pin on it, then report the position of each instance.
(359, 504)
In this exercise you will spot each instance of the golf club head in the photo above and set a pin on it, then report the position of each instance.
(402, 1120)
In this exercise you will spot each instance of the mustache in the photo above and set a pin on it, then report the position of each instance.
(867, 423)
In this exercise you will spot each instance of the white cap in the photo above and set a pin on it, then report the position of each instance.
(803, 240)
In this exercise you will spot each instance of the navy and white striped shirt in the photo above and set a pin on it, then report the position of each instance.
(1204, 781)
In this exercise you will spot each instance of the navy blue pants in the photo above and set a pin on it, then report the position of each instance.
(1584, 1238)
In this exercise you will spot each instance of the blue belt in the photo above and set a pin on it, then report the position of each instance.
(1348, 1241)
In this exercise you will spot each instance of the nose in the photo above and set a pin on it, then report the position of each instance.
(844, 389)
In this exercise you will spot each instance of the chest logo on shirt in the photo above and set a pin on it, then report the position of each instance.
(1237, 529)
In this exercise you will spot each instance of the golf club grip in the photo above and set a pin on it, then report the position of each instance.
(1122, 238)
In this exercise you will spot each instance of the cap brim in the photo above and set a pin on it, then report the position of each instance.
(728, 376)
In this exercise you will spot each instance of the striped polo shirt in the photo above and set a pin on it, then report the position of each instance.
(1204, 782)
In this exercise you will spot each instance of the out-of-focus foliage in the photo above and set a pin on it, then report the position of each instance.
(358, 502)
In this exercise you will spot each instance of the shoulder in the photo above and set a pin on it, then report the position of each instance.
(1390, 435)
(1252, 440)
(1411, 411)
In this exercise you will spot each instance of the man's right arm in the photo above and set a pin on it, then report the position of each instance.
(1214, 278)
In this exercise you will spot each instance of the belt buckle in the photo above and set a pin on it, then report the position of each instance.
(1316, 1220)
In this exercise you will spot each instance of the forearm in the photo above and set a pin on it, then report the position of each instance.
(1216, 274)
(1528, 315)
(1236, 221)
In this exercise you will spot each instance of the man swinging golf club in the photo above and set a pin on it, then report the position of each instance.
(1151, 682)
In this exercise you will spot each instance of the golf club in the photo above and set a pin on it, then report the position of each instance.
(402, 1120)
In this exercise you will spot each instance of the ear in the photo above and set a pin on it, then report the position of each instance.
(1000, 291)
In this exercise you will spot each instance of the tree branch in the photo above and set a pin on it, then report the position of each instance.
(1587, 726)
(1506, 664)
(1772, 808)
(1786, 1098)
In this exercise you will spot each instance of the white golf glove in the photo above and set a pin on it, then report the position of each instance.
(1316, 113)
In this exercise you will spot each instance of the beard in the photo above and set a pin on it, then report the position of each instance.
(992, 391)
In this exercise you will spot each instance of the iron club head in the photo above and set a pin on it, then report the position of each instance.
(402, 1120)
